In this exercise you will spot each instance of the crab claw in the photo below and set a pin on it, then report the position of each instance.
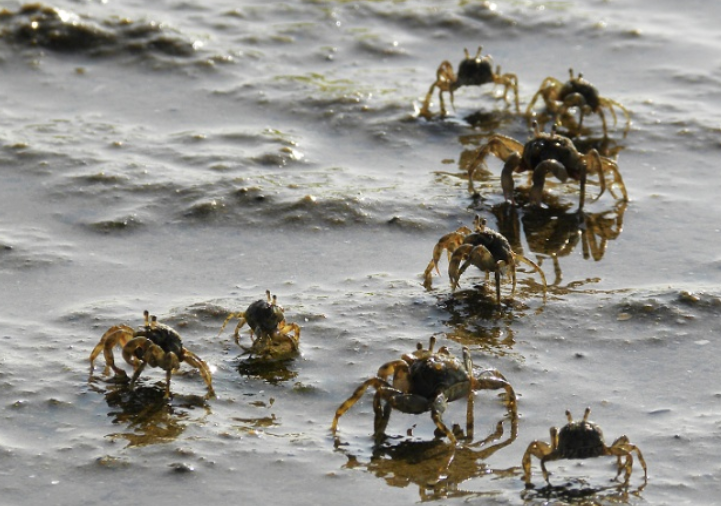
(539, 178)
(454, 268)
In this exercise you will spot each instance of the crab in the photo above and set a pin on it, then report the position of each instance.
(426, 380)
(152, 344)
(487, 249)
(576, 92)
(474, 71)
(271, 336)
(546, 153)
(581, 440)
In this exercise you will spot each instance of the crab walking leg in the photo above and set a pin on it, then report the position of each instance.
(437, 409)
(444, 77)
(448, 242)
(623, 447)
(545, 458)
(194, 361)
(496, 381)
(538, 449)
(502, 147)
(231, 316)
(376, 383)
(118, 335)
(284, 333)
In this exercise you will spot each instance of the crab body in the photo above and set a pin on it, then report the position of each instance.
(425, 381)
(475, 71)
(263, 317)
(543, 154)
(582, 439)
(271, 336)
(152, 344)
(484, 248)
(576, 92)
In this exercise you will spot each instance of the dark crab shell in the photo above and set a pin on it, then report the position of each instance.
(580, 440)
(474, 72)
(583, 88)
(263, 317)
(435, 374)
(496, 244)
(166, 337)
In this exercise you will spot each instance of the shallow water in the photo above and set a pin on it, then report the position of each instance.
(185, 157)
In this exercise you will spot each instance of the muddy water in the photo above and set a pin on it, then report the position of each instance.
(185, 157)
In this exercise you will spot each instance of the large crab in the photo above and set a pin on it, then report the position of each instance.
(152, 344)
(426, 380)
(546, 153)
(271, 336)
(486, 249)
(474, 71)
(576, 92)
(581, 440)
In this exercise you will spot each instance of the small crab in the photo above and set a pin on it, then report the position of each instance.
(545, 153)
(271, 336)
(486, 249)
(581, 440)
(474, 71)
(152, 344)
(426, 381)
(576, 92)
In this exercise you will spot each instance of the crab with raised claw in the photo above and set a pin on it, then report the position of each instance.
(271, 336)
(153, 344)
(546, 153)
(426, 380)
(582, 440)
(487, 249)
(474, 71)
(576, 92)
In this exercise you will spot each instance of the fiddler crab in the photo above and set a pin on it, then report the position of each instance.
(487, 249)
(426, 380)
(581, 440)
(474, 71)
(546, 153)
(271, 336)
(576, 92)
(153, 344)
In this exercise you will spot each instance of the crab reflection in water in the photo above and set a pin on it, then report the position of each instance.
(149, 417)
(270, 371)
(440, 470)
(554, 232)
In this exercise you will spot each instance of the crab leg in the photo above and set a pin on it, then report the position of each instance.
(499, 145)
(118, 335)
(538, 449)
(374, 382)
(623, 447)
(194, 361)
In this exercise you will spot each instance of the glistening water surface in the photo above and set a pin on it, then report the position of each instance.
(184, 157)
